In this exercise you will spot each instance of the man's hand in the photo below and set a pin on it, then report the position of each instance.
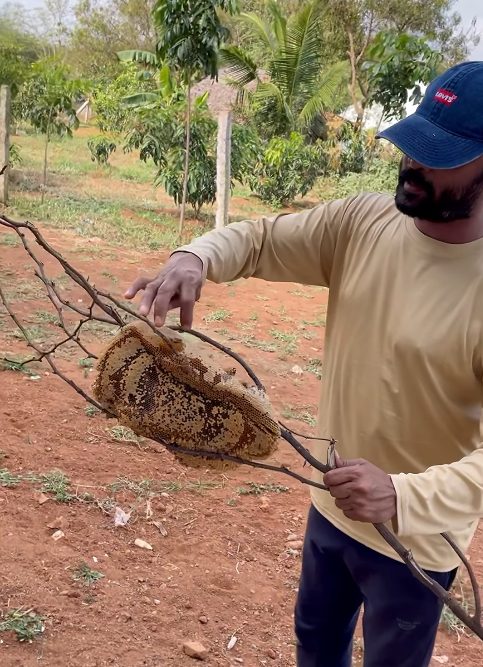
(177, 285)
(362, 491)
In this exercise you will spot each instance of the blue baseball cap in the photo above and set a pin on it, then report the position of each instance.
(446, 130)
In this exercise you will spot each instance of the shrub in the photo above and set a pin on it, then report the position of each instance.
(287, 168)
(101, 149)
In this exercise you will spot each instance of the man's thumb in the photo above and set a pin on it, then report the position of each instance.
(339, 462)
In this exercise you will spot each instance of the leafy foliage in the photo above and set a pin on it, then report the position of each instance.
(159, 133)
(112, 114)
(287, 168)
(296, 90)
(46, 100)
(101, 148)
(190, 34)
(396, 63)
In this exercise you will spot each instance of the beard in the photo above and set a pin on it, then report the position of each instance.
(449, 206)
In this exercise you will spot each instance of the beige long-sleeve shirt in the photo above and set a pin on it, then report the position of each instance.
(403, 364)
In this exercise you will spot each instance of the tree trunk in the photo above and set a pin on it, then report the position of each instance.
(223, 169)
(44, 175)
(186, 162)
(4, 142)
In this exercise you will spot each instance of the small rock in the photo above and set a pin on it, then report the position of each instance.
(297, 370)
(203, 619)
(295, 544)
(264, 503)
(188, 605)
(195, 650)
(156, 601)
(126, 616)
(48, 449)
(58, 523)
(271, 654)
(58, 535)
(72, 594)
(142, 544)
(42, 498)
(146, 600)
(292, 537)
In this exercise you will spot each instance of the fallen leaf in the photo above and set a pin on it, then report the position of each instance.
(160, 527)
(149, 511)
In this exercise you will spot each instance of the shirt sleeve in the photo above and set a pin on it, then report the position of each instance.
(294, 247)
(441, 499)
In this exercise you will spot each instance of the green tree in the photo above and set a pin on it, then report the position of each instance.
(101, 29)
(355, 23)
(190, 34)
(294, 90)
(158, 133)
(112, 113)
(396, 63)
(46, 101)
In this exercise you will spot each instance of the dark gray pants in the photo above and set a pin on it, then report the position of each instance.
(339, 575)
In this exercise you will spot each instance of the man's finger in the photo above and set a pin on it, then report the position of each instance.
(187, 305)
(340, 491)
(165, 300)
(344, 504)
(341, 475)
(138, 285)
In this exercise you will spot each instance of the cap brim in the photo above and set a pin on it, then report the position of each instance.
(430, 145)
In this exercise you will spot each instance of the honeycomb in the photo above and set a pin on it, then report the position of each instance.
(164, 388)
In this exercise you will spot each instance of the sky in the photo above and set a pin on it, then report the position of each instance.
(467, 8)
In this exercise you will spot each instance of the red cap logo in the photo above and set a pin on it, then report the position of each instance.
(445, 96)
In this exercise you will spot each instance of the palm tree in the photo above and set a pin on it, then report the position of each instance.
(294, 90)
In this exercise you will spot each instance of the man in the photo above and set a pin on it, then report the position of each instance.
(403, 373)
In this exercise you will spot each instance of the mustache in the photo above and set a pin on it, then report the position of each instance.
(415, 177)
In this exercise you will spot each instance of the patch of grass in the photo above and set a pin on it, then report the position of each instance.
(314, 366)
(100, 328)
(299, 292)
(254, 489)
(253, 317)
(109, 275)
(8, 479)
(58, 484)
(123, 434)
(17, 365)
(318, 322)
(26, 624)
(288, 341)
(139, 172)
(91, 411)
(87, 364)
(299, 415)
(9, 239)
(219, 315)
(102, 218)
(452, 623)
(24, 290)
(46, 316)
(149, 487)
(251, 341)
(86, 575)
(35, 333)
